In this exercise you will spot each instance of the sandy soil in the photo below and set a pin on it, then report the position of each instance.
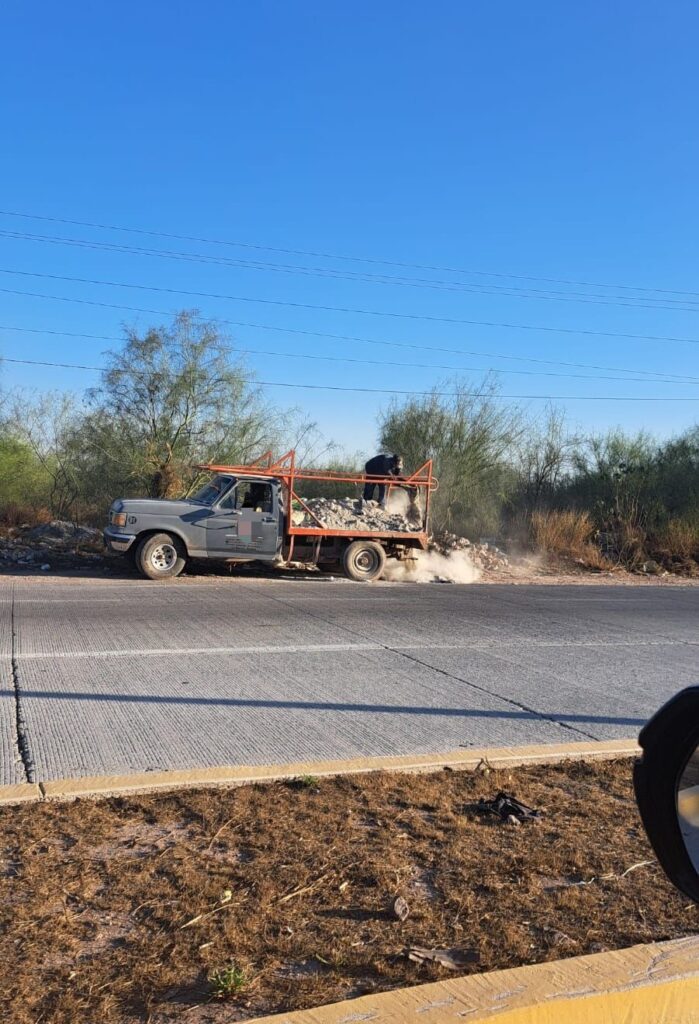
(213, 906)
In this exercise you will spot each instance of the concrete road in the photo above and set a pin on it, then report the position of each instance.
(109, 676)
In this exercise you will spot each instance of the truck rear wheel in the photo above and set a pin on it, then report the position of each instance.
(364, 560)
(160, 557)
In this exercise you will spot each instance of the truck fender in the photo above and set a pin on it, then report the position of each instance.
(175, 533)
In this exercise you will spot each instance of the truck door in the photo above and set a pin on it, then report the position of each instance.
(245, 522)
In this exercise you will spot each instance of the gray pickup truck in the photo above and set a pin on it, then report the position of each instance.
(243, 518)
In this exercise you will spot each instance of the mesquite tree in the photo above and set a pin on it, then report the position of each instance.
(171, 396)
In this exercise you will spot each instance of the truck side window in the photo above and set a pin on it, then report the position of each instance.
(254, 495)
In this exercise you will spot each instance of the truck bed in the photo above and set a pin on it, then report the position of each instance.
(418, 538)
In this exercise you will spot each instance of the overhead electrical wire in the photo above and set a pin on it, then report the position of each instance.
(343, 257)
(641, 376)
(387, 391)
(362, 278)
(389, 363)
(336, 337)
(661, 376)
(332, 309)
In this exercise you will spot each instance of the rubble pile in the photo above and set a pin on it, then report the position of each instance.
(50, 544)
(485, 556)
(355, 514)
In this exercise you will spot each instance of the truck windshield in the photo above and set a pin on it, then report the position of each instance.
(213, 489)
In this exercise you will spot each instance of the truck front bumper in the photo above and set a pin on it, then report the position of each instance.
(118, 543)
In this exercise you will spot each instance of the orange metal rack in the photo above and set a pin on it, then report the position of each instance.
(286, 470)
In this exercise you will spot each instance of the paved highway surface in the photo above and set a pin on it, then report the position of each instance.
(104, 676)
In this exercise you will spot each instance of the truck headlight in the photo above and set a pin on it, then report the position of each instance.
(118, 518)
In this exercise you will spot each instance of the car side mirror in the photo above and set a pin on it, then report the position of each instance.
(666, 781)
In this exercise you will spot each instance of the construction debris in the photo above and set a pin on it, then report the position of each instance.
(484, 556)
(57, 542)
(59, 532)
(401, 517)
(356, 514)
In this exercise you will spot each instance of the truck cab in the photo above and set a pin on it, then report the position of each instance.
(227, 518)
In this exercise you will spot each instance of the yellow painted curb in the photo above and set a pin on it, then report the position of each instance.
(656, 983)
(498, 757)
(22, 793)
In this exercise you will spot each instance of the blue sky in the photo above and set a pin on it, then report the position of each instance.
(543, 141)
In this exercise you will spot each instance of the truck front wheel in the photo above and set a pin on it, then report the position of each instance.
(160, 557)
(364, 560)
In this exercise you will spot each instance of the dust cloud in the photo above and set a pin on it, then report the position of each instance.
(431, 567)
(401, 502)
(397, 501)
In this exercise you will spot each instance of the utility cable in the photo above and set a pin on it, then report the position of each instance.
(351, 276)
(327, 309)
(336, 337)
(387, 391)
(337, 256)
(391, 363)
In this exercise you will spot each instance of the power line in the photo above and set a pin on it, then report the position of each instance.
(344, 337)
(388, 363)
(61, 334)
(344, 258)
(666, 379)
(388, 391)
(363, 278)
(334, 309)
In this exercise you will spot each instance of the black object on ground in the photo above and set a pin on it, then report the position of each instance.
(506, 807)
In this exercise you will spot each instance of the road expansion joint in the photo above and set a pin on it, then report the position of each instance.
(21, 730)
(449, 675)
(491, 693)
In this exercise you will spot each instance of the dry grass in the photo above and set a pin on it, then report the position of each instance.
(212, 906)
(568, 534)
(13, 514)
(682, 538)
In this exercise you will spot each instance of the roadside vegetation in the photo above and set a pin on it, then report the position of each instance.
(179, 394)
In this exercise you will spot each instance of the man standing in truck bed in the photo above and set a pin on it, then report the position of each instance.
(381, 466)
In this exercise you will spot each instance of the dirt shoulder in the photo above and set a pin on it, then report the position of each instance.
(60, 549)
(212, 906)
(109, 570)
(533, 571)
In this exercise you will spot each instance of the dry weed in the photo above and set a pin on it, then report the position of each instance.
(681, 538)
(13, 514)
(569, 534)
